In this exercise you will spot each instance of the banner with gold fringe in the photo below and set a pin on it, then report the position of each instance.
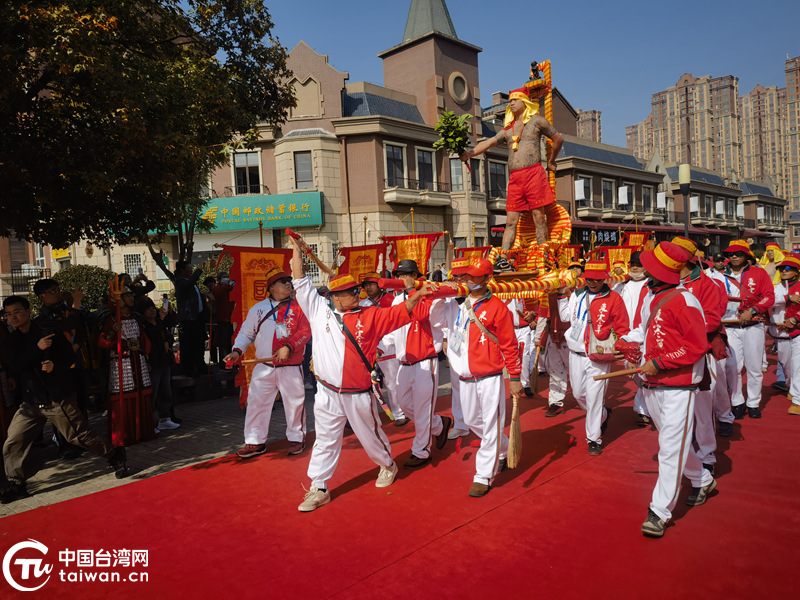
(250, 265)
(472, 252)
(635, 239)
(417, 247)
(362, 259)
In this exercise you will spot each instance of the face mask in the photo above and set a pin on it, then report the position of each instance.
(474, 287)
(638, 276)
(225, 280)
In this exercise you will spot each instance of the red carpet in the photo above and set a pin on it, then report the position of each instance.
(564, 525)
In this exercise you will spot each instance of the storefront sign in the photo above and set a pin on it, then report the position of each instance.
(275, 210)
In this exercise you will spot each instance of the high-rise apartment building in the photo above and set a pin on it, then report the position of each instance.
(589, 125)
(790, 135)
(761, 132)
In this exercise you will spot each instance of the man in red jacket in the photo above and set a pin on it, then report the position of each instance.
(713, 301)
(345, 381)
(594, 312)
(280, 331)
(752, 288)
(481, 341)
(673, 347)
(786, 332)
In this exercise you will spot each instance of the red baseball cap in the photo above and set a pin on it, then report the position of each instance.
(480, 267)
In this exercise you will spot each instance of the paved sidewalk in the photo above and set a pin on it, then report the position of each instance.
(211, 428)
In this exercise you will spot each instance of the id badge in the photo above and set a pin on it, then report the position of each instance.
(455, 340)
(575, 332)
(281, 331)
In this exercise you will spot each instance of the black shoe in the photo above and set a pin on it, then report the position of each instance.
(118, 461)
(502, 465)
(441, 439)
(709, 468)
(604, 426)
(754, 413)
(595, 449)
(14, 491)
(643, 420)
(501, 265)
(724, 429)
(175, 419)
(553, 410)
(700, 495)
(738, 412)
(71, 453)
(400, 422)
(528, 392)
(780, 386)
(415, 462)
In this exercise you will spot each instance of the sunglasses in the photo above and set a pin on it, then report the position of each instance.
(284, 280)
(738, 253)
(787, 268)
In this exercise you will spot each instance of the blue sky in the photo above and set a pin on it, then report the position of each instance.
(608, 56)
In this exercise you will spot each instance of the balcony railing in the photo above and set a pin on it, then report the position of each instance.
(245, 190)
(22, 280)
(416, 184)
(497, 193)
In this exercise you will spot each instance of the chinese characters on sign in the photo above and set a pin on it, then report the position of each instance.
(275, 210)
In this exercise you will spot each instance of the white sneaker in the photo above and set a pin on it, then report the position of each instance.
(165, 424)
(157, 430)
(457, 433)
(386, 476)
(313, 499)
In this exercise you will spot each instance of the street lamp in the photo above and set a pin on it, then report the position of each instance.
(684, 177)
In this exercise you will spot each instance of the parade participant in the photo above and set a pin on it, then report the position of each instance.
(387, 357)
(786, 317)
(577, 268)
(458, 269)
(752, 287)
(713, 302)
(633, 292)
(525, 336)
(280, 330)
(39, 365)
(131, 412)
(556, 355)
(528, 186)
(481, 343)
(596, 316)
(673, 346)
(417, 346)
(345, 338)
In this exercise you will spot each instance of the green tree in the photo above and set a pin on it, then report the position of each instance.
(112, 117)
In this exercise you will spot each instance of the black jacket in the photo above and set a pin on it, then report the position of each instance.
(188, 297)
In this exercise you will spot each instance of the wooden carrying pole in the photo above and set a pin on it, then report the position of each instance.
(616, 374)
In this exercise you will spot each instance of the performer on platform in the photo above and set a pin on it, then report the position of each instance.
(673, 347)
(528, 186)
(713, 302)
(387, 357)
(481, 343)
(753, 289)
(596, 315)
(38, 365)
(342, 335)
(280, 331)
(131, 416)
(786, 318)
(417, 346)
(633, 292)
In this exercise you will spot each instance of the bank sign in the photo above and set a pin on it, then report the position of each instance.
(275, 210)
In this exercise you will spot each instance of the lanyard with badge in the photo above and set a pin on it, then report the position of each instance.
(281, 331)
(576, 331)
(459, 333)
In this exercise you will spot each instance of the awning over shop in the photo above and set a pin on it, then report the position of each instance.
(756, 233)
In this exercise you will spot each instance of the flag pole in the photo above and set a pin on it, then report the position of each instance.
(413, 230)
(365, 230)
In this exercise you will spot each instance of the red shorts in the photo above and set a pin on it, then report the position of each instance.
(528, 188)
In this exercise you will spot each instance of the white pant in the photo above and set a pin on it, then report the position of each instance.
(726, 378)
(794, 389)
(417, 390)
(265, 384)
(704, 427)
(672, 412)
(589, 393)
(389, 368)
(556, 363)
(527, 351)
(331, 411)
(748, 345)
(785, 358)
(455, 398)
(484, 407)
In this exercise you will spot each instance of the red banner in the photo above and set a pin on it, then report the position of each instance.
(471, 253)
(568, 254)
(250, 265)
(415, 247)
(362, 259)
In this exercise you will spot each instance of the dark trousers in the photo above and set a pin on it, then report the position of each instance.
(161, 380)
(222, 341)
(27, 424)
(192, 337)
